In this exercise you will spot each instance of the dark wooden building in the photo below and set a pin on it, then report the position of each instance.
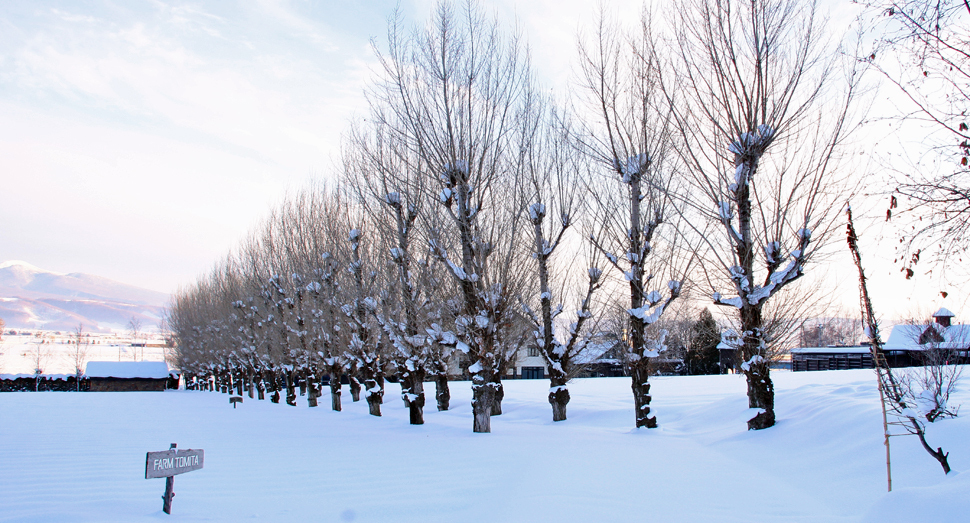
(129, 376)
(831, 358)
(908, 345)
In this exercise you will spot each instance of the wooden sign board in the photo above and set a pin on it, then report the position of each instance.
(168, 463)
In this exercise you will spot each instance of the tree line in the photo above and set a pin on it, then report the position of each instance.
(475, 215)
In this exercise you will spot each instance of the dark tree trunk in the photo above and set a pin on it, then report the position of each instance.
(416, 401)
(761, 395)
(761, 391)
(442, 393)
(416, 405)
(260, 386)
(274, 385)
(558, 398)
(250, 384)
(290, 389)
(354, 388)
(498, 396)
(238, 378)
(313, 390)
(483, 394)
(639, 372)
(380, 383)
(375, 395)
(335, 392)
(405, 390)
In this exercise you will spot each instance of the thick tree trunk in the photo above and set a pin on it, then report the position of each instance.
(375, 395)
(640, 372)
(313, 390)
(275, 387)
(483, 394)
(405, 390)
(260, 386)
(290, 388)
(558, 398)
(335, 392)
(238, 378)
(498, 396)
(761, 391)
(442, 393)
(761, 395)
(354, 389)
(250, 384)
(416, 402)
(412, 387)
(380, 383)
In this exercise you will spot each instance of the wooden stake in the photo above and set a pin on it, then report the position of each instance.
(885, 432)
(169, 491)
(879, 363)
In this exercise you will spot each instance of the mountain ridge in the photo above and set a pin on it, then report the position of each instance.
(34, 298)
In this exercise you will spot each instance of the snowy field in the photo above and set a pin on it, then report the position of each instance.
(81, 457)
(18, 353)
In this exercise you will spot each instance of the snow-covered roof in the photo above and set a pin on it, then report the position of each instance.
(906, 337)
(127, 369)
(595, 351)
(943, 313)
(859, 349)
(729, 340)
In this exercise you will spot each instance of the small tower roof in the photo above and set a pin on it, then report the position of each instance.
(943, 313)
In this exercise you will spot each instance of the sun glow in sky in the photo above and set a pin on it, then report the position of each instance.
(141, 141)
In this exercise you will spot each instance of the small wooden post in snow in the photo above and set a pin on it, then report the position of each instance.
(167, 463)
(169, 491)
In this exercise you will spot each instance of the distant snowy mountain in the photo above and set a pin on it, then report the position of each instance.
(33, 298)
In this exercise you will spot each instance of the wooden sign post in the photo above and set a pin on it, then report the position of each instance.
(167, 463)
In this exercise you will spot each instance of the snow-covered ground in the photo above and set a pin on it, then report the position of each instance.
(81, 457)
(18, 353)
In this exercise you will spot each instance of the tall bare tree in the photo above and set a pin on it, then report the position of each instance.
(762, 114)
(633, 142)
(555, 174)
(451, 92)
(389, 182)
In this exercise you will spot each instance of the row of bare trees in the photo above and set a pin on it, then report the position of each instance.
(474, 213)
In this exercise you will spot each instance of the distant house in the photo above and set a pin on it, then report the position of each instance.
(118, 376)
(603, 357)
(528, 364)
(907, 345)
(728, 350)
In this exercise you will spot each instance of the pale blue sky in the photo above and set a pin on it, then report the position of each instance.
(141, 140)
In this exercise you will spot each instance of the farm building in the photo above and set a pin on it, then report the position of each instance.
(118, 376)
(907, 345)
